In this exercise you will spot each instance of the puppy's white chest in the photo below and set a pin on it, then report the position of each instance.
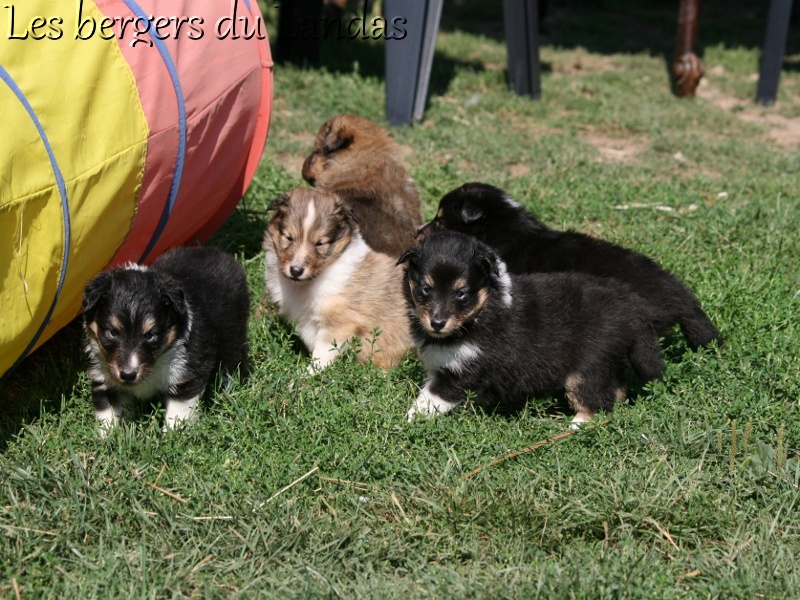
(454, 357)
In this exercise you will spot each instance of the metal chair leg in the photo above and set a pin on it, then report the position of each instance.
(780, 12)
(521, 19)
(409, 60)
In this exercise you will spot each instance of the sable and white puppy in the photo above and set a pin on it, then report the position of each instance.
(321, 273)
(526, 245)
(164, 330)
(359, 160)
(506, 337)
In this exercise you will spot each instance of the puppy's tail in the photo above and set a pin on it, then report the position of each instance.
(698, 328)
(645, 355)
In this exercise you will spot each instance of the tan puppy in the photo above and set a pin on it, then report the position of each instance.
(358, 160)
(322, 274)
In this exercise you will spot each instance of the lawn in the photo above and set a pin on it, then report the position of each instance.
(294, 486)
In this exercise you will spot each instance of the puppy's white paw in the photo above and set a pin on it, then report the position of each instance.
(315, 367)
(181, 412)
(429, 405)
(323, 356)
(580, 418)
(107, 419)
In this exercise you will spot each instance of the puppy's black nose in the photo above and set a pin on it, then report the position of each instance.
(438, 324)
(296, 271)
(127, 376)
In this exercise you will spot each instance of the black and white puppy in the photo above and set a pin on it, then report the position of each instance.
(164, 330)
(505, 338)
(526, 245)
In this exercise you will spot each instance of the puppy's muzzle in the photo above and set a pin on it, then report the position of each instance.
(438, 319)
(127, 374)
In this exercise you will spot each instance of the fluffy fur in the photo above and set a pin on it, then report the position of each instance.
(322, 274)
(164, 330)
(508, 337)
(359, 161)
(527, 246)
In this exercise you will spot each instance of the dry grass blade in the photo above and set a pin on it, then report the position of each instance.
(399, 507)
(662, 531)
(291, 485)
(28, 530)
(356, 484)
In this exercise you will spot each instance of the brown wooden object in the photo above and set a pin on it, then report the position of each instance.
(687, 70)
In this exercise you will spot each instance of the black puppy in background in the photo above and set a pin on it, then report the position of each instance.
(528, 246)
(508, 337)
(164, 330)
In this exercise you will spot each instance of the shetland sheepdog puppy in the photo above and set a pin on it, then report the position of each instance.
(504, 338)
(164, 331)
(321, 273)
(359, 161)
(526, 245)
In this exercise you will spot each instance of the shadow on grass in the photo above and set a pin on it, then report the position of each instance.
(340, 56)
(623, 26)
(41, 381)
(242, 233)
(599, 26)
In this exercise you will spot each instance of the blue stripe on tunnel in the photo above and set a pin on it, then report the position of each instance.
(181, 157)
(62, 190)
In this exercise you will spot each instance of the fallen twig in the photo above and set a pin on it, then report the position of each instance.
(166, 493)
(531, 448)
(291, 485)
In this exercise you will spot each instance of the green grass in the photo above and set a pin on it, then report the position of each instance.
(293, 486)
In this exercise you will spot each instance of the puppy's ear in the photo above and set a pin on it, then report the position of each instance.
(279, 202)
(345, 212)
(351, 215)
(488, 259)
(411, 255)
(172, 295)
(470, 213)
(95, 291)
(336, 140)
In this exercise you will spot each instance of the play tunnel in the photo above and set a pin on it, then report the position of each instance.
(127, 127)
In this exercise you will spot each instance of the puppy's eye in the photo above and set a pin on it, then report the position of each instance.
(320, 244)
(112, 333)
(150, 336)
(425, 290)
(460, 294)
(288, 238)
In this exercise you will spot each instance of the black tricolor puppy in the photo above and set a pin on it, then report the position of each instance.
(528, 246)
(164, 330)
(508, 337)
